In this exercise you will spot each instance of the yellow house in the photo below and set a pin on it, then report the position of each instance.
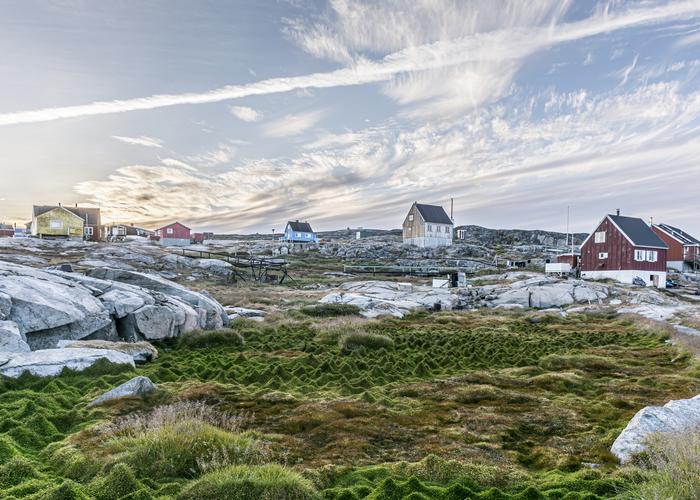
(48, 221)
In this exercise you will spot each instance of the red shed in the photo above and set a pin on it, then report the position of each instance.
(198, 238)
(569, 258)
(174, 234)
(683, 249)
(624, 248)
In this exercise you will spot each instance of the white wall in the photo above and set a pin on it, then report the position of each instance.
(626, 276)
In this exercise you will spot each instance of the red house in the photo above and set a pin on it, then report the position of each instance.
(174, 235)
(683, 249)
(624, 248)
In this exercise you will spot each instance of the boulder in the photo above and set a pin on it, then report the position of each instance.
(141, 352)
(11, 339)
(119, 303)
(212, 315)
(50, 362)
(137, 387)
(243, 312)
(674, 416)
(155, 322)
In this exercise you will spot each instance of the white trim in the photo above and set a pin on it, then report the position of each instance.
(668, 234)
(626, 276)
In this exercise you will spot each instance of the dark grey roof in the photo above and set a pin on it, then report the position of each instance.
(6, 226)
(300, 227)
(679, 234)
(433, 213)
(638, 231)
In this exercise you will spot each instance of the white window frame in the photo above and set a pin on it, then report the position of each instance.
(410, 217)
(88, 230)
(602, 255)
(56, 224)
(600, 236)
(652, 256)
(430, 228)
(639, 255)
(169, 230)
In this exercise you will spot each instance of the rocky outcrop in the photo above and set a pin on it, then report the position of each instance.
(137, 387)
(385, 298)
(51, 305)
(11, 339)
(50, 362)
(141, 352)
(674, 416)
(545, 293)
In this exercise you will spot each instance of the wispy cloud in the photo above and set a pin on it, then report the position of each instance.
(245, 113)
(173, 162)
(293, 124)
(223, 154)
(150, 142)
(626, 72)
(406, 68)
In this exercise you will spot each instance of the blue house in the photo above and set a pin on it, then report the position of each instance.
(299, 232)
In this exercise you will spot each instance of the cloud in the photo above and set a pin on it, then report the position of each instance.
(150, 142)
(224, 153)
(293, 124)
(626, 72)
(245, 113)
(172, 162)
(407, 68)
(500, 164)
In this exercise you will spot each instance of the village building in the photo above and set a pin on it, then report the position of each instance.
(173, 235)
(117, 232)
(56, 222)
(624, 249)
(7, 230)
(683, 249)
(427, 226)
(60, 221)
(299, 232)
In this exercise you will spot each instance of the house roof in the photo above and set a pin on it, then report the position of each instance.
(89, 214)
(433, 213)
(173, 224)
(301, 227)
(637, 231)
(679, 234)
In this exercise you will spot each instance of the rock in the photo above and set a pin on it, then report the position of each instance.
(141, 352)
(155, 322)
(137, 387)
(50, 362)
(674, 416)
(119, 303)
(11, 339)
(5, 305)
(212, 315)
(384, 298)
(242, 311)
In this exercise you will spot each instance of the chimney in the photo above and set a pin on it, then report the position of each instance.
(59, 203)
(452, 209)
(76, 205)
(617, 211)
(651, 221)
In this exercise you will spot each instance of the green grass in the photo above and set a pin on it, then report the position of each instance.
(264, 482)
(500, 406)
(330, 310)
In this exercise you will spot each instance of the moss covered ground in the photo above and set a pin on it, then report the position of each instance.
(446, 406)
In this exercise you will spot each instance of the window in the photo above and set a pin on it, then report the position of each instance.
(439, 229)
(169, 230)
(410, 217)
(298, 235)
(56, 224)
(430, 227)
(88, 231)
(639, 255)
(600, 237)
(603, 255)
(652, 255)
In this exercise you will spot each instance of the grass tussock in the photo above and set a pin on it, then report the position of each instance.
(243, 482)
(673, 463)
(184, 439)
(330, 310)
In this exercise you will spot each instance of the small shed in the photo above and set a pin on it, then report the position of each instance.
(174, 235)
(6, 231)
(571, 258)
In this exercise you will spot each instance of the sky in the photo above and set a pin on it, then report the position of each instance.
(238, 115)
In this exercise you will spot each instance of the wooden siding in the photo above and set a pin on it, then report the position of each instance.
(179, 232)
(675, 247)
(620, 252)
(413, 228)
(71, 225)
